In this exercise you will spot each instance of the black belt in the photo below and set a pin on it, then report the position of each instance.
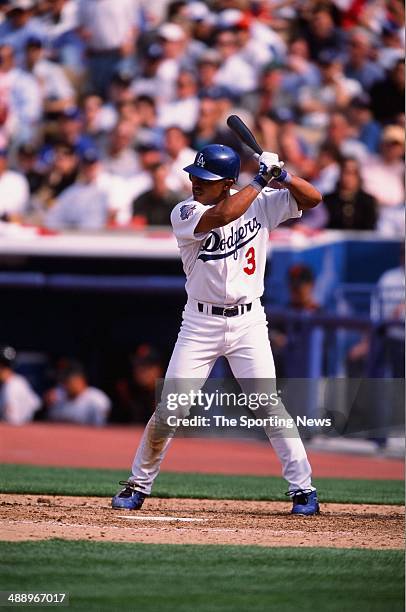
(227, 311)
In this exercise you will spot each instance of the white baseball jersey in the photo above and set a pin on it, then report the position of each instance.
(226, 265)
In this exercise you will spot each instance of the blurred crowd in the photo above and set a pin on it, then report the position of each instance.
(61, 390)
(103, 102)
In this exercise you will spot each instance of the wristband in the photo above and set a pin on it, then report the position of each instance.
(284, 177)
(259, 182)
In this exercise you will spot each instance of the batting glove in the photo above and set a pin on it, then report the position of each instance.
(270, 168)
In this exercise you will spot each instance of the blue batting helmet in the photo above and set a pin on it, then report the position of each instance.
(215, 162)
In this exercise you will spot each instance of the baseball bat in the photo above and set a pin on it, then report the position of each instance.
(237, 125)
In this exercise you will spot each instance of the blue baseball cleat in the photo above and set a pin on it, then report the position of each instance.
(128, 498)
(305, 503)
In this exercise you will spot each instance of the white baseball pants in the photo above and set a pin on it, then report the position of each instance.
(243, 340)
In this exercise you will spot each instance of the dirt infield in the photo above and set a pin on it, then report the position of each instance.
(196, 521)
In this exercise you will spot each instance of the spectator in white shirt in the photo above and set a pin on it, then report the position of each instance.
(121, 159)
(77, 402)
(19, 26)
(340, 134)
(20, 97)
(148, 81)
(90, 203)
(180, 155)
(207, 68)
(173, 41)
(18, 401)
(14, 192)
(108, 28)
(63, 41)
(384, 174)
(98, 119)
(334, 92)
(234, 73)
(254, 51)
(384, 178)
(57, 92)
(387, 305)
(183, 111)
(327, 168)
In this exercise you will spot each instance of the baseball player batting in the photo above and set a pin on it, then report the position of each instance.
(222, 236)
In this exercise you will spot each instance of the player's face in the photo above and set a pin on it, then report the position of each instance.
(209, 192)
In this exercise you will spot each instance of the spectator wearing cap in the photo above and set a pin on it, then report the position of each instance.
(78, 402)
(383, 177)
(234, 72)
(120, 158)
(27, 163)
(135, 395)
(367, 130)
(392, 47)
(18, 401)
(14, 192)
(59, 19)
(109, 30)
(358, 64)
(183, 111)
(61, 174)
(388, 95)
(120, 88)
(262, 28)
(333, 93)
(180, 155)
(20, 99)
(71, 130)
(173, 41)
(155, 206)
(197, 28)
(349, 207)
(147, 82)
(225, 101)
(57, 92)
(253, 51)
(19, 26)
(202, 24)
(91, 202)
(149, 155)
(207, 67)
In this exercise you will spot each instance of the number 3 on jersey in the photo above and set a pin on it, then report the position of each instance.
(251, 264)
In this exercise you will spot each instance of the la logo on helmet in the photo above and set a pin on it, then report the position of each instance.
(200, 161)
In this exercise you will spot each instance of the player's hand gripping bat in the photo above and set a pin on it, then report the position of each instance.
(239, 128)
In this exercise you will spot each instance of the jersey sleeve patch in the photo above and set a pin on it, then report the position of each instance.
(186, 211)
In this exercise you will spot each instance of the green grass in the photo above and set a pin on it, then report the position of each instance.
(164, 578)
(70, 481)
